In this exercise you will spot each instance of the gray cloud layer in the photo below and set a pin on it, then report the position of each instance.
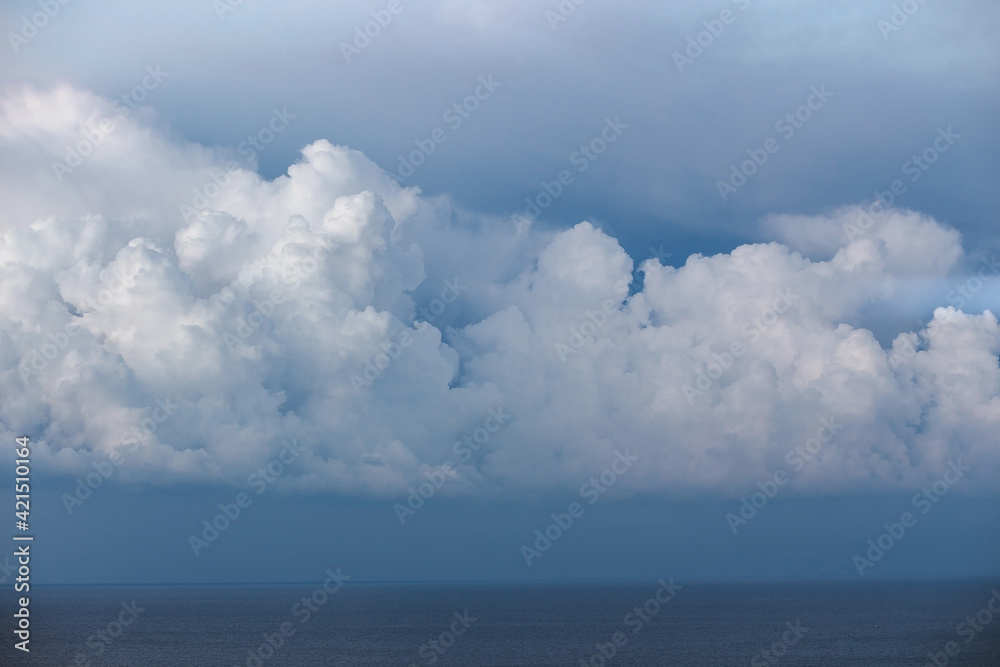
(892, 90)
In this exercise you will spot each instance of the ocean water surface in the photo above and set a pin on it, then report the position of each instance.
(478, 625)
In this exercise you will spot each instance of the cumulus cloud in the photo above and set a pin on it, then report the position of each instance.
(380, 328)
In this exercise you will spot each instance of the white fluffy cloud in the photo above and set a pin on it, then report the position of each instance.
(378, 328)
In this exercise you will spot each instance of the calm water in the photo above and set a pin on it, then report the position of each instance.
(376, 624)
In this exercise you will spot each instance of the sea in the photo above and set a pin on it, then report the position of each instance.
(668, 622)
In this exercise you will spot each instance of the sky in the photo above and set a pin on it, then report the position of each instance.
(512, 291)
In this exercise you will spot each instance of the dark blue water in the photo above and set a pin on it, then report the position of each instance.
(376, 624)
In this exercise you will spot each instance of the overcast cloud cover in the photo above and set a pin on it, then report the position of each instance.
(215, 239)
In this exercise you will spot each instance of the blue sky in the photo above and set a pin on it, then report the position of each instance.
(283, 239)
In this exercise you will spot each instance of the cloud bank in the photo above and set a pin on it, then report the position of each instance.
(165, 306)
